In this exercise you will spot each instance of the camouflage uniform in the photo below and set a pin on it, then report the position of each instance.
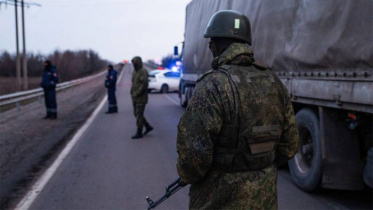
(139, 92)
(264, 112)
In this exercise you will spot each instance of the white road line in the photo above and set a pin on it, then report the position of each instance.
(171, 99)
(121, 75)
(43, 180)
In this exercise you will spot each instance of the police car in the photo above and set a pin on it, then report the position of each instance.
(163, 81)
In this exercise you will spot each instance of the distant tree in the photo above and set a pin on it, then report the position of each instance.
(7, 65)
(35, 64)
(70, 64)
(151, 61)
(169, 61)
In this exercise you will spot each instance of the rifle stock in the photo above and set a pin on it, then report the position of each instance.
(170, 190)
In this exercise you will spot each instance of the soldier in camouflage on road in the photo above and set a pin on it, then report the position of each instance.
(139, 93)
(238, 127)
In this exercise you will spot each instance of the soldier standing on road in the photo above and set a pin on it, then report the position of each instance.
(110, 84)
(238, 127)
(48, 83)
(139, 93)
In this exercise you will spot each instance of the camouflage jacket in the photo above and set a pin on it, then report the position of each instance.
(139, 89)
(211, 106)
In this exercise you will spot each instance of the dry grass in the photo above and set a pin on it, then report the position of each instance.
(8, 84)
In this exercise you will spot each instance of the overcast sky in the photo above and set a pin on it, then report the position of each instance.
(116, 29)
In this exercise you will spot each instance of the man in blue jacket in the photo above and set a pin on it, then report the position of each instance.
(110, 84)
(48, 83)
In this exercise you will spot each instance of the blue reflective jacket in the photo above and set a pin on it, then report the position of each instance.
(50, 78)
(111, 79)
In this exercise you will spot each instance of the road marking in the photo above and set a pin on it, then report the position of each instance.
(121, 75)
(44, 179)
(171, 99)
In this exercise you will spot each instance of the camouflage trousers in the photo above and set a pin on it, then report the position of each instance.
(138, 111)
(237, 190)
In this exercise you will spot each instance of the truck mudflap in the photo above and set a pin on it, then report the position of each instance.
(368, 170)
(186, 89)
(341, 158)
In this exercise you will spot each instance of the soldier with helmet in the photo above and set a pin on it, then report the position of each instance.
(238, 127)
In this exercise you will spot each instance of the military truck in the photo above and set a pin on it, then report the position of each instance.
(322, 50)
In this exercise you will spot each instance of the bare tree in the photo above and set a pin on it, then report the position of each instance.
(70, 64)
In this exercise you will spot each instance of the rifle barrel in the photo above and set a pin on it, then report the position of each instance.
(170, 190)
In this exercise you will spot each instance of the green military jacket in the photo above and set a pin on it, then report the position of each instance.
(211, 106)
(139, 89)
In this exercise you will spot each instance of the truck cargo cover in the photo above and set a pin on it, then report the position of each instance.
(291, 35)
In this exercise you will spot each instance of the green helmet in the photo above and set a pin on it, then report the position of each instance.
(229, 24)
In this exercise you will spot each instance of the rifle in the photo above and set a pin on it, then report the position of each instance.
(170, 190)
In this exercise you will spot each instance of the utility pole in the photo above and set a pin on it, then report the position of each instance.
(15, 3)
(24, 59)
(18, 62)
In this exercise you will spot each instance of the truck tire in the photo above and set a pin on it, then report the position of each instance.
(182, 95)
(188, 94)
(368, 170)
(183, 101)
(184, 98)
(306, 166)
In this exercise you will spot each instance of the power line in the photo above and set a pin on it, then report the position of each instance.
(17, 3)
(58, 3)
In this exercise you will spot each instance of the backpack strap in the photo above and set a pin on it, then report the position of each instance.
(224, 69)
(204, 75)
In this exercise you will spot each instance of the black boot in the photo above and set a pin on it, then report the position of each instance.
(138, 134)
(47, 116)
(109, 111)
(148, 128)
(53, 116)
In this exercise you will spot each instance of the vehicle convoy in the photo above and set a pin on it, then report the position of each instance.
(322, 51)
(163, 81)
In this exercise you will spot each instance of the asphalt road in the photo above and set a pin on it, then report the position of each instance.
(29, 143)
(106, 169)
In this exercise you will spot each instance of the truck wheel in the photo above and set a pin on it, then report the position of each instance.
(188, 94)
(368, 170)
(306, 166)
(182, 95)
(164, 88)
(183, 101)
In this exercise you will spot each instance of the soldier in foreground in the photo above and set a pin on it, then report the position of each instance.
(110, 84)
(48, 83)
(238, 127)
(139, 93)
